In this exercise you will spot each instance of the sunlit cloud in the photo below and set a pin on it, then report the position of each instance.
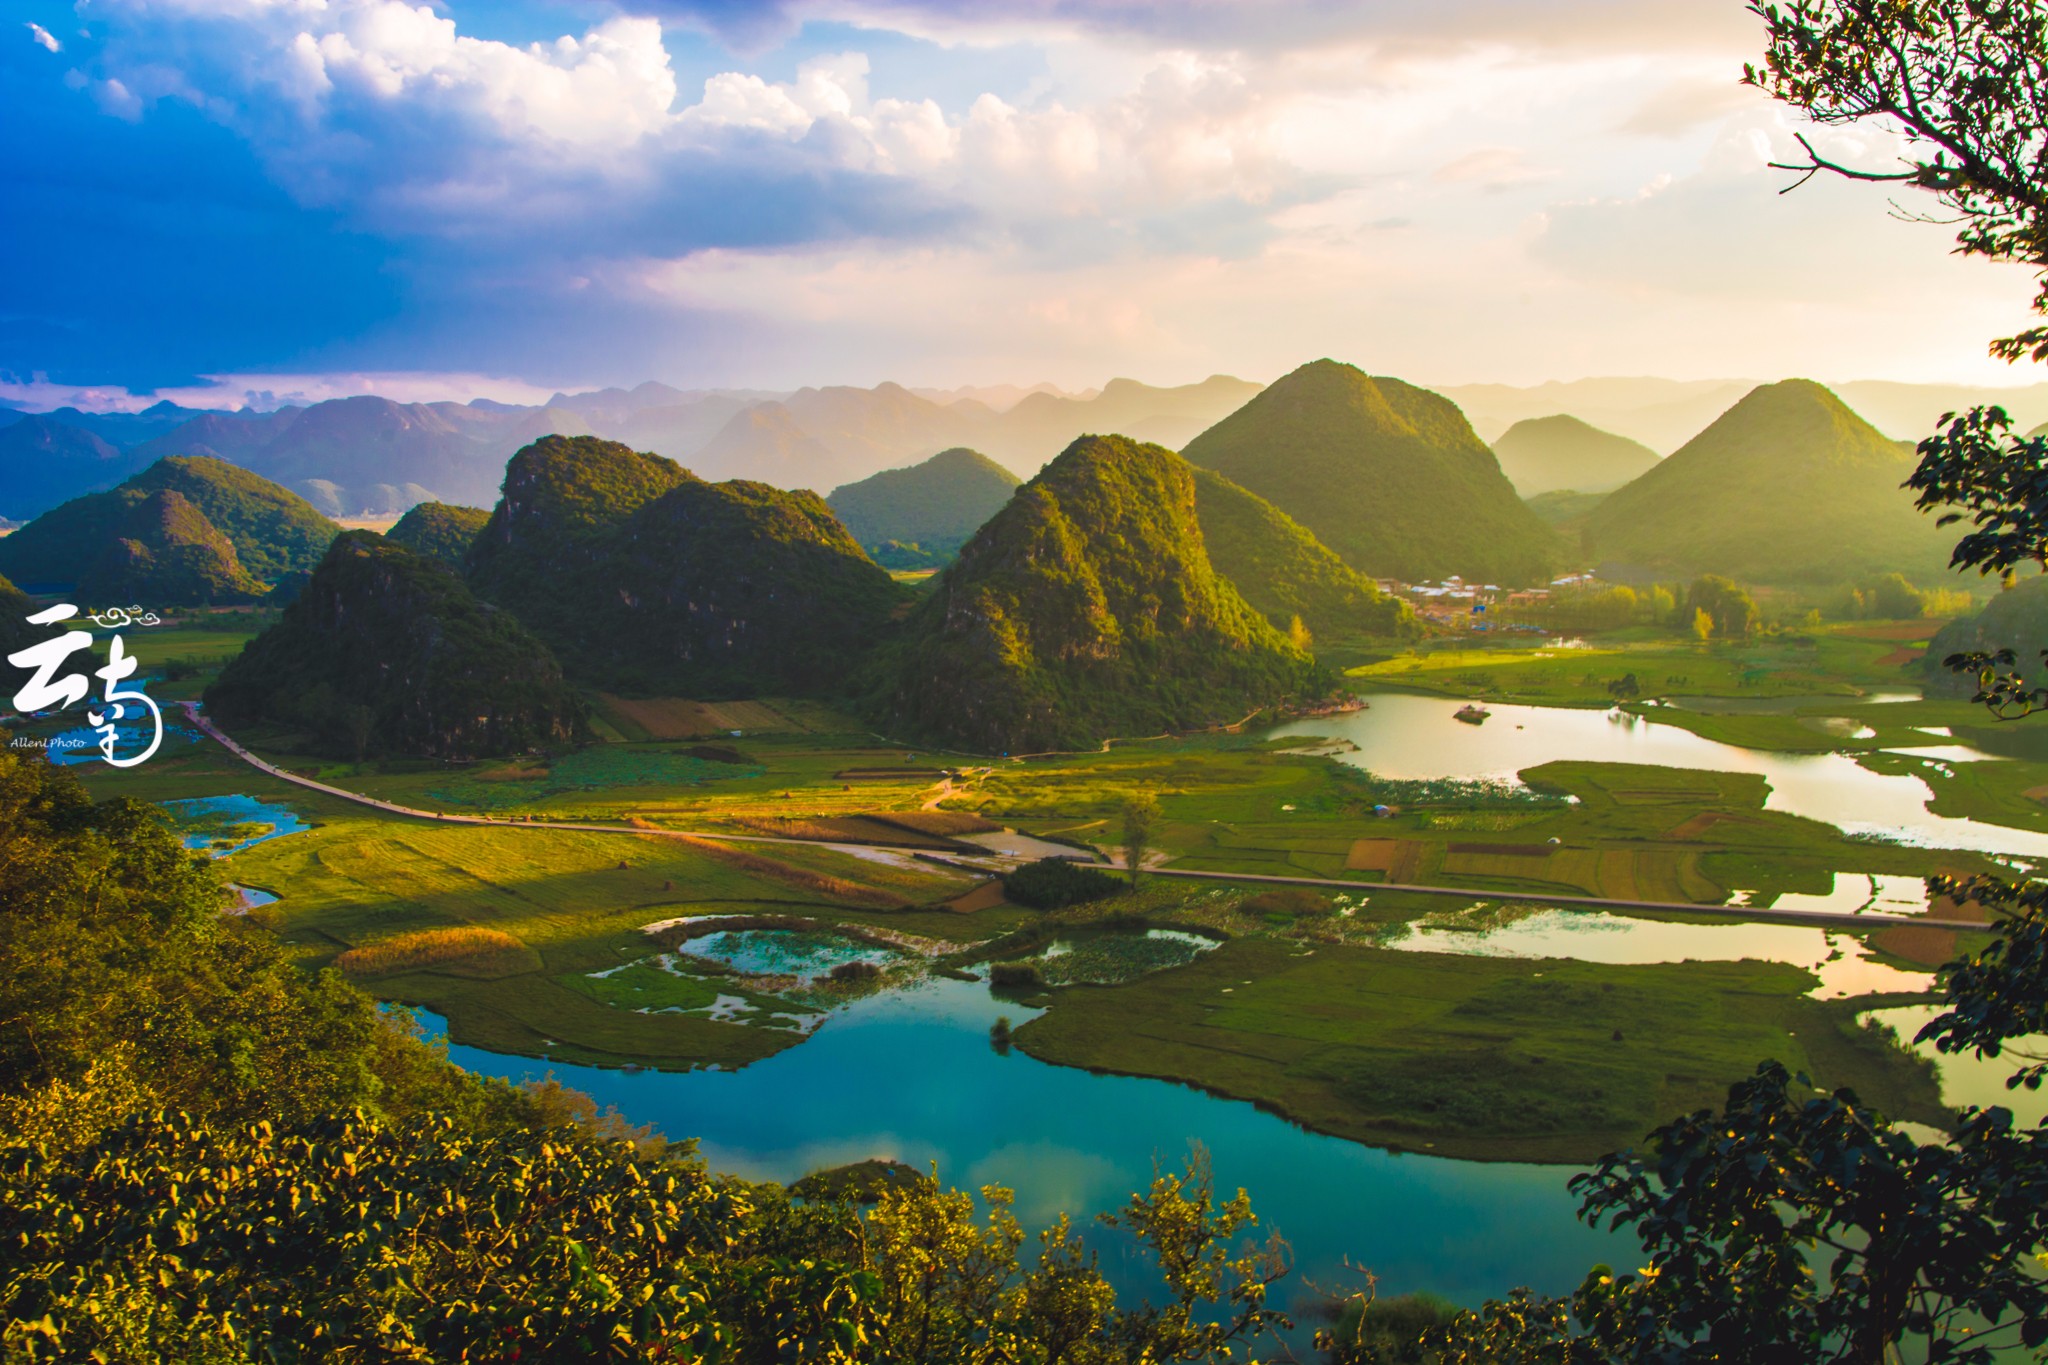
(839, 190)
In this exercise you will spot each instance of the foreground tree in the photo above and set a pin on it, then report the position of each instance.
(207, 1155)
(1140, 824)
(1793, 1226)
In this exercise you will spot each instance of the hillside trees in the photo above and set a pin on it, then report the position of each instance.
(210, 1156)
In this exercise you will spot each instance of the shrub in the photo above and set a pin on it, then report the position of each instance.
(1290, 901)
(1015, 975)
(856, 971)
(468, 950)
(1054, 883)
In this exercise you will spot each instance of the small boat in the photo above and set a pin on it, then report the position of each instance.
(1471, 714)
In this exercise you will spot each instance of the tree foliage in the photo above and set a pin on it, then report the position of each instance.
(208, 1156)
(1960, 82)
(1087, 607)
(1796, 1226)
(378, 629)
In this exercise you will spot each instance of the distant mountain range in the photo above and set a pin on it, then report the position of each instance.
(372, 456)
(1664, 414)
(1552, 454)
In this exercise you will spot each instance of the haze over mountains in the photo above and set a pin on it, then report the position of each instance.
(372, 456)
(1123, 589)
(1552, 454)
(1664, 414)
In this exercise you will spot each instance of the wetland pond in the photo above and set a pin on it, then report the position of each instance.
(910, 1074)
(223, 825)
(908, 1071)
(1416, 738)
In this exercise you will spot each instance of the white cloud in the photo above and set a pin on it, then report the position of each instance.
(42, 38)
(1486, 189)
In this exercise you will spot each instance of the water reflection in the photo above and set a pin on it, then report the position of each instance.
(1841, 962)
(1966, 1078)
(910, 1075)
(1411, 737)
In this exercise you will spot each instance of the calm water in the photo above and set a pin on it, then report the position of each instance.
(911, 1075)
(217, 811)
(1416, 738)
(1841, 961)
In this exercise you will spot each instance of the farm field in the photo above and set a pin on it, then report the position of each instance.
(529, 941)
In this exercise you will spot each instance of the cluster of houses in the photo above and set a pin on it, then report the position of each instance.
(1465, 605)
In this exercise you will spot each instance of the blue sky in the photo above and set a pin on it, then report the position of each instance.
(212, 197)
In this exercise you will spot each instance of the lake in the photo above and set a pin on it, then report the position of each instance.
(910, 1074)
(1409, 737)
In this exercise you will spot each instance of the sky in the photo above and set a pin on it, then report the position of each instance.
(250, 200)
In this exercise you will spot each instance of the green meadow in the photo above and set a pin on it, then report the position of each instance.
(530, 940)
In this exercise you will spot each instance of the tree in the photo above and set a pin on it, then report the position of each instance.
(1959, 81)
(1702, 624)
(1141, 819)
(1892, 598)
(1732, 608)
(1794, 1226)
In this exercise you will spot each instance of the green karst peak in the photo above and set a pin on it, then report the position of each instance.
(1087, 607)
(1387, 475)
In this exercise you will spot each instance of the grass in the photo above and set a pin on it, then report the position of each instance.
(646, 986)
(466, 950)
(576, 902)
(1492, 1059)
(1833, 661)
(1295, 1011)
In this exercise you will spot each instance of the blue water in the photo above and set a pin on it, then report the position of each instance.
(783, 952)
(236, 809)
(910, 1075)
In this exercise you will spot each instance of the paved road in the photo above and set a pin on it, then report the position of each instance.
(443, 818)
(1763, 915)
(1827, 918)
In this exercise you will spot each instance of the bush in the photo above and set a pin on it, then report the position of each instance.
(856, 971)
(1289, 901)
(1054, 883)
(1015, 975)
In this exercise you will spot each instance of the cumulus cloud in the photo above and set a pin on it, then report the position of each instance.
(1479, 188)
(42, 38)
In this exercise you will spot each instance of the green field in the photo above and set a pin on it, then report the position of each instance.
(1488, 1058)
(1298, 1010)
